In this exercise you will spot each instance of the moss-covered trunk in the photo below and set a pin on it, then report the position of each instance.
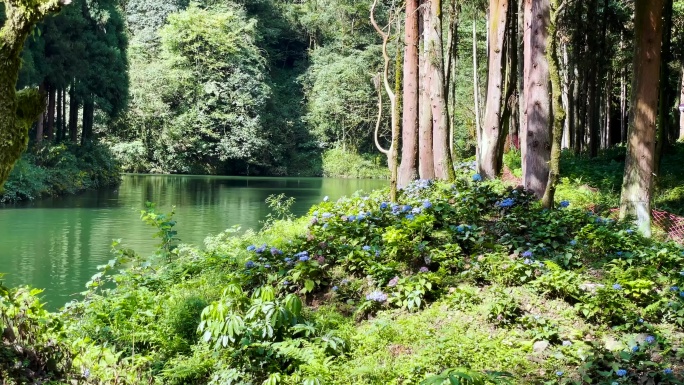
(18, 110)
(556, 104)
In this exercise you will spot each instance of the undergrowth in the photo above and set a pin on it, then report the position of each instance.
(464, 281)
(58, 169)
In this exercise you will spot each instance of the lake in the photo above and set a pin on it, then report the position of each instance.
(57, 243)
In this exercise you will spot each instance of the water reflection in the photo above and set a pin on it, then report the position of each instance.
(57, 243)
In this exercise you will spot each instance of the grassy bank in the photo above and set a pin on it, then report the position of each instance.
(598, 181)
(52, 170)
(463, 279)
(338, 163)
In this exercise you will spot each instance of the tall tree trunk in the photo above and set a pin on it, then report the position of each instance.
(476, 92)
(444, 168)
(521, 75)
(74, 105)
(41, 117)
(527, 84)
(638, 180)
(393, 152)
(558, 112)
(567, 102)
(64, 115)
(50, 128)
(426, 161)
(408, 170)
(452, 57)
(88, 118)
(59, 116)
(664, 96)
(681, 102)
(538, 136)
(623, 97)
(492, 134)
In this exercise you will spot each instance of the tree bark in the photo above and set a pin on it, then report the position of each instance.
(50, 128)
(59, 116)
(393, 152)
(444, 168)
(664, 96)
(408, 170)
(638, 180)
(538, 136)
(88, 118)
(18, 110)
(426, 161)
(681, 102)
(489, 165)
(74, 105)
(41, 117)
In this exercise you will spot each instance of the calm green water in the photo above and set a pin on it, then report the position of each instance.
(56, 244)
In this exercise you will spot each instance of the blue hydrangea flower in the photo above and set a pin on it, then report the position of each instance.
(674, 288)
(567, 343)
(410, 217)
(260, 249)
(366, 248)
(617, 286)
(303, 258)
(559, 373)
(335, 288)
(249, 264)
(564, 204)
(527, 254)
(351, 218)
(629, 231)
(377, 296)
(635, 349)
(406, 208)
(573, 243)
(427, 204)
(251, 248)
(344, 281)
(416, 210)
(326, 198)
(614, 383)
(288, 259)
(377, 253)
(640, 320)
(681, 293)
(477, 178)
(286, 282)
(621, 372)
(275, 251)
(383, 205)
(460, 228)
(424, 269)
(325, 226)
(267, 266)
(326, 215)
(508, 202)
(667, 371)
(619, 253)
(527, 261)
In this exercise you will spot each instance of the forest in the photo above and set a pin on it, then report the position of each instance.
(530, 232)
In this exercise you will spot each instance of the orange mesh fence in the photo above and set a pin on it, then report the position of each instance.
(672, 224)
